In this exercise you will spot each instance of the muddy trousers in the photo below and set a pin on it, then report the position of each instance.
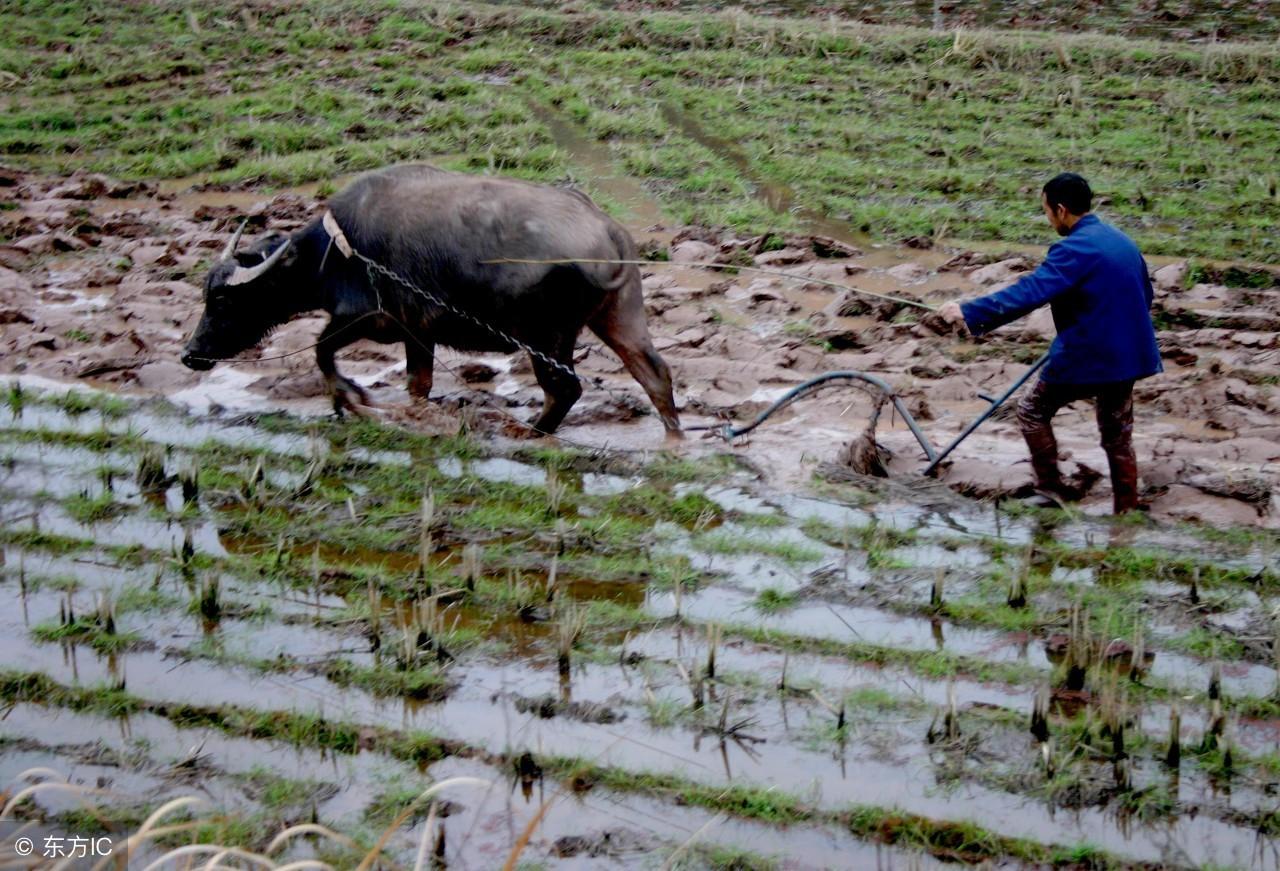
(1114, 403)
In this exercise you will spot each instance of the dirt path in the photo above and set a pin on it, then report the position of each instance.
(100, 284)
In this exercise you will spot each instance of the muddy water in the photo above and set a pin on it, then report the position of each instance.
(166, 742)
(165, 428)
(599, 170)
(154, 678)
(482, 710)
(484, 822)
(803, 508)
(496, 469)
(464, 714)
(31, 469)
(745, 572)
(827, 674)
(831, 675)
(490, 819)
(126, 530)
(864, 775)
(477, 715)
(353, 780)
(854, 625)
(1238, 678)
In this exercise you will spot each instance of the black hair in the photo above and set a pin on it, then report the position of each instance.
(1070, 190)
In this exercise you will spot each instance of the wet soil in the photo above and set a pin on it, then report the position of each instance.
(103, 292)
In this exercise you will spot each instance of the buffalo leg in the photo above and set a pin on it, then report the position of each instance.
(419, 355)
(561, 388)
(347, 394)
(621, 325)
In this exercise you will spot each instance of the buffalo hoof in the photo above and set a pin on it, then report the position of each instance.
(420, 389)
(350, 396)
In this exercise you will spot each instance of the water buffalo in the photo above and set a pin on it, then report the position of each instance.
(436, 229)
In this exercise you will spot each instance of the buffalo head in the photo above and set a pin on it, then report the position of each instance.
(246, 295)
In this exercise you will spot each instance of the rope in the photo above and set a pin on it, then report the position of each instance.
(374, 266)
(713, 265)
(301, 350)
(727, 431)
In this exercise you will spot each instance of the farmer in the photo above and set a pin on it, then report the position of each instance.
(1096, 283)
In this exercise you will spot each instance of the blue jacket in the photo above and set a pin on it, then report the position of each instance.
(1096, 283)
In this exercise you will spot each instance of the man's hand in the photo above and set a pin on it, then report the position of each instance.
(951, 313)
(946, 320)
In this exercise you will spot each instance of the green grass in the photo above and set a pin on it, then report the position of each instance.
(884, 130)
(88, 510)
(36, 583)
(772, 600)
(137, 598)
(871, 700)
(964, 842)
(89, 631)
(1120, 566)
(871, 537)
(664, 713)
(1129, 18)
(731, 544)
(77, 402)
(984, 612)
(423, 683)
(1206, 644)
(391, 801)
(276, 793)
(650, 501)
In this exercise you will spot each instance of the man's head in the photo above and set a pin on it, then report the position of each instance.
(1066, 198)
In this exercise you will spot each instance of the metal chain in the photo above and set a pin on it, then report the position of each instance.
(375, 267)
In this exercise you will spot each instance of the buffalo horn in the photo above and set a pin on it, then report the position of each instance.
(245, 274)
(235, 240)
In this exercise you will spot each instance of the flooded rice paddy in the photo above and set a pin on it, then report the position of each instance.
(656, 659)
(604, 655)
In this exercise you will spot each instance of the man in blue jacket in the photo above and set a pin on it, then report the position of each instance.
(1096, 283)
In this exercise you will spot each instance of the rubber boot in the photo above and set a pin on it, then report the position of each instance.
(1044, 462)
(1115, 425)
(1124, 478)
